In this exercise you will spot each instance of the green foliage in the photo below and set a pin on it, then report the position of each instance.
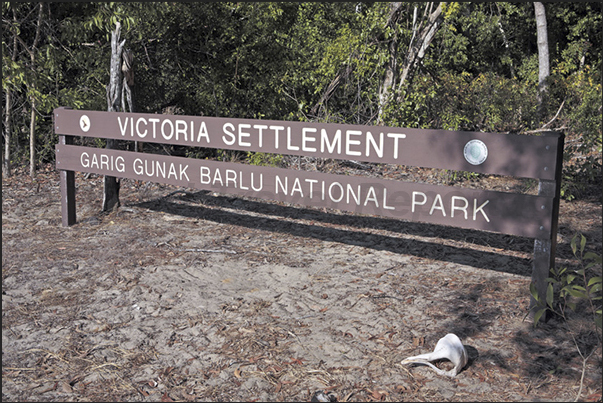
(230, 155)
(276, 60)
(455, 176)
(108, 14)
(265, 159)
(487, 102)
(575, 289)
(581, 92)
(568, 287)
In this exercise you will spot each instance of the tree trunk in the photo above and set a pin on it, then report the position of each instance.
(127, 68)
(7, 135)
(416, 49)
(505, 40)
(326, 95)
(32, 123)
(32, 138)
(9, 111)
(391, 69)
(543, 56)
(114, 91)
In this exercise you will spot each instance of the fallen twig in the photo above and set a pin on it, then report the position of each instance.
(179, 191)
(196, 249)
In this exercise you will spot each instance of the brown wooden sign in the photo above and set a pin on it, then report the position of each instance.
(508, 213)
(489, 153)
(538, 157)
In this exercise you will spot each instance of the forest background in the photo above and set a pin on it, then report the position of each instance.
(458, 66)
(502, 67)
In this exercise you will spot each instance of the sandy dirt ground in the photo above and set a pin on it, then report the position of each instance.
(184, 295)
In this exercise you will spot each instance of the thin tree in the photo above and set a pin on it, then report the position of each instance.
(422, 37)
(114, 96)
(423, 32)
(32, 92)
(127, 68)
(391, 68)
(543, 55)
(9, 108)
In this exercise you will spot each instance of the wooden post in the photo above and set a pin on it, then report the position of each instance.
(67, 184)
(544, 249)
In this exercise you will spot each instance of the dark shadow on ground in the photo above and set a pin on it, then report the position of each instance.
(472, 355)
(425, 249)
(552, 348)
(548, 348)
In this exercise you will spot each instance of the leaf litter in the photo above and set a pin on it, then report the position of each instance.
(188, 296)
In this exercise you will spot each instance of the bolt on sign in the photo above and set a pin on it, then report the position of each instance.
(488, 153)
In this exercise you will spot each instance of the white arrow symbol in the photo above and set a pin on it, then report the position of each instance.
(85, 123)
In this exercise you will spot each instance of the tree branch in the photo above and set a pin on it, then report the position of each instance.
(328, 93)
(557, 114)
(416, 51)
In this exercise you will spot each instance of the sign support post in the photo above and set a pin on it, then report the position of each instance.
(67, 182)
(545, 249)
(67, 179)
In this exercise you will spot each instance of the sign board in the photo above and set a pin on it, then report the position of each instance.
(524, 156)
(487, 153)
(504, 154)
(509, 213)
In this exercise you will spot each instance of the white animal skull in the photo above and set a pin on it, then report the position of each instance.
(449, 347)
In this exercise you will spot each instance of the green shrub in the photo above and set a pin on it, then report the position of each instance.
(568, 287)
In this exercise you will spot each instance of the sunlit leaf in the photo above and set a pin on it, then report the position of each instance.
(594, 280)
(573, 245)
(592, 256)
(570, 278)
(538, 315)
(595, 288)
(534, 292)
(549, 296)
(577, 294)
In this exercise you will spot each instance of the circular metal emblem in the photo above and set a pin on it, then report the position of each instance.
(85, 123)
(475, 152)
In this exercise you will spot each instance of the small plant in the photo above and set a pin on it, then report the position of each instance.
(230, 155)
(452, 176)
(573, 288)
(265, 159)
(573, 285)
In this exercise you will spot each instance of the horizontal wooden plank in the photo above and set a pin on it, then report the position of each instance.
(507, 213)
(488, 153)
